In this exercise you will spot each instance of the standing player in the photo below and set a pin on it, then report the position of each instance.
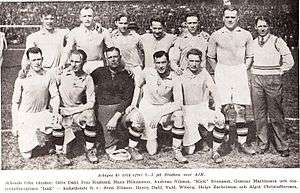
(159, 40)
(129, 44)
(114, 88)
(32, 93)
(266, 85)
(160, 105)
(76, 89)
(89, 37)
(196, 85)
(49, 39)
(3, 46)
(230, 55)
(191, 39)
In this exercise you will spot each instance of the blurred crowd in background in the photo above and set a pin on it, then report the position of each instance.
(283, 14)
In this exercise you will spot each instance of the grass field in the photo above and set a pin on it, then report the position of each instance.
(164, 159)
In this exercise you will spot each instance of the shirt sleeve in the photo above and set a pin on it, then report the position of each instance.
(249, 46)
(212, 46)
(282, 47)
(127, 94)
(16, 100)
(142, 78)
(177, 92)
(95, 76)
(90, 91)
(287, 58)
(53, 90)
(213, 89)
(175, 52)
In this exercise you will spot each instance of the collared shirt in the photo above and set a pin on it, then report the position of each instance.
(152, 45)
(130, 46)
(51, 44)
(73, 89)
(32, 93)
(196, 88)
(230, 47)
(157, 90)
(113, 88)
(89, 40)
(178, 53)
(267, 56)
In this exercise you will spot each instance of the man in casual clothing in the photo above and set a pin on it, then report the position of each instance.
(159, 40)
(266, 85)
(191, 39)
(114, 88)
(76, 89)
(34, 89)
(49, 39)
(230, 55)
(160, 105)
(129, 44)
(90, 37)
(196, 85)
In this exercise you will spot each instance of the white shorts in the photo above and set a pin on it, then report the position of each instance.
(90, 66)
(29, 124)
(232, 84)
(195, 115)
(149, 111)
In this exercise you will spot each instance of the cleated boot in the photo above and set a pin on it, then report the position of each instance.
(246, 149)
(135, 155)
(91, 155)
(216, 157)
(62, 159)
(179, 157)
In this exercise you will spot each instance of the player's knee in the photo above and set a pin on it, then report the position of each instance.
(178, 119)
(134, 121)
(241, 112)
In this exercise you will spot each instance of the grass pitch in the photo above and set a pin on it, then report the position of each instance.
(11, 159)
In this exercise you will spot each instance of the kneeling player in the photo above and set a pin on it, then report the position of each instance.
(160, 104)
(196, 84)
(74, 85)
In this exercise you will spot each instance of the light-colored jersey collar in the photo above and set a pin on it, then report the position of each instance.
(226, 30)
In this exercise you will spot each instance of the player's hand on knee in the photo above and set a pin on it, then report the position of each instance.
(219, 119)
(112, 124)
(56, 119)
(154, 122)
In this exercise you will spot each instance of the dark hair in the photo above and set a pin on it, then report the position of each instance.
(81, 53)
(191, 14)
(133, 25)
(120, 16)
(231, 8)
(159, 19)
(263, 18)
(33, 50)
(160, 54)
(86, 8)
(113, 49)
(194, 51)
(48, 10)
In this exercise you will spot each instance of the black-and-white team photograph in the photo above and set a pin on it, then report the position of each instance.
(149, 84)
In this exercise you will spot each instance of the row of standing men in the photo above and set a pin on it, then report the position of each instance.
(170, 71)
